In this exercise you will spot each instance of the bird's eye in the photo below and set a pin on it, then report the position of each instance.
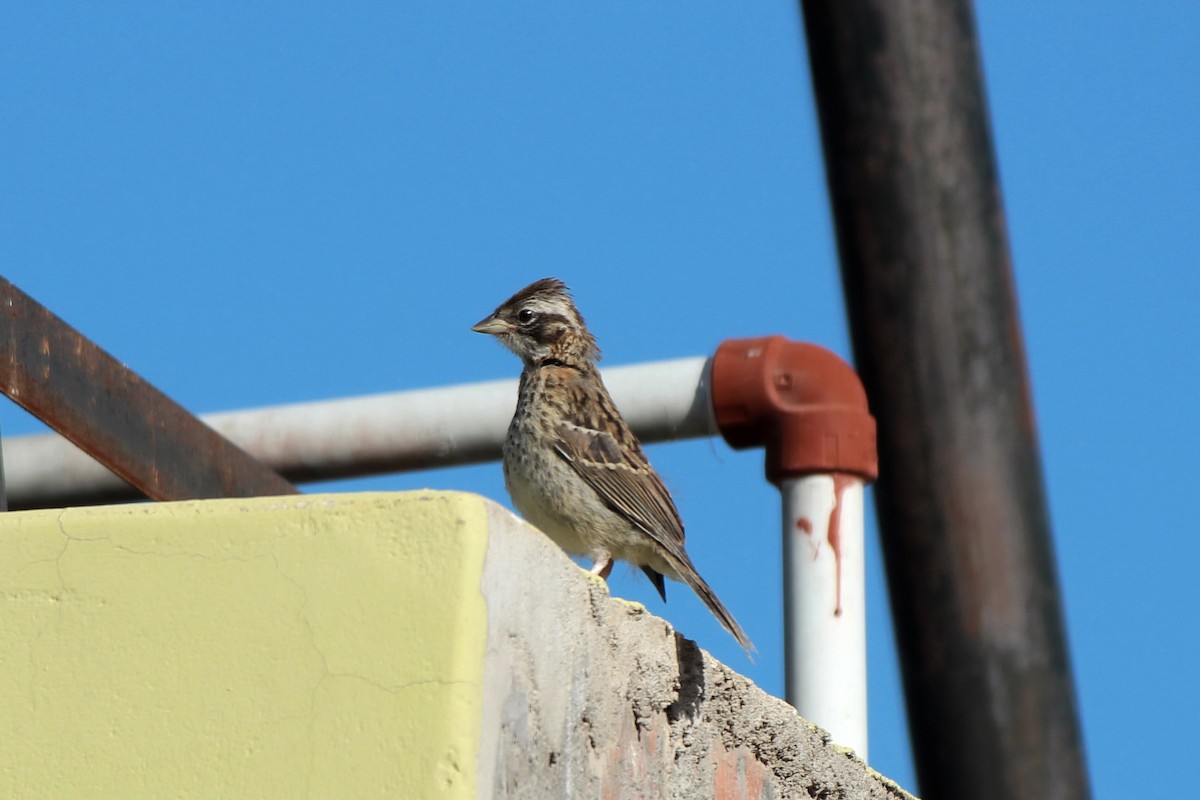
(524, 315)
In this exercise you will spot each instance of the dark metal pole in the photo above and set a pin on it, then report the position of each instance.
(928, 284)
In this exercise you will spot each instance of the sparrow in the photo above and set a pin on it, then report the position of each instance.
(572, 466)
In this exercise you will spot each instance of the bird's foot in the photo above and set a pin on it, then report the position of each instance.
(602, 566)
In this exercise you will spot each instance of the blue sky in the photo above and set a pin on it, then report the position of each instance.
(280, 202)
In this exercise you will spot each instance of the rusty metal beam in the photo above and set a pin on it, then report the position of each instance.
(107, 410)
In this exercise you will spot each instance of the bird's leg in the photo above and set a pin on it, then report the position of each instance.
(602, 564)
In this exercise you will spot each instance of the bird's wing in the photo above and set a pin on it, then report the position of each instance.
(599, 446)
(621, 475)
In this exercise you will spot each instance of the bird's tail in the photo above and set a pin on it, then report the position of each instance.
(692, 578)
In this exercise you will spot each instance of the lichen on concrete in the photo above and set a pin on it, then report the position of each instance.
(603, 699)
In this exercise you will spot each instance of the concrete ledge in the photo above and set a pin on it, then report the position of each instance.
(592, 696)
(375, 645)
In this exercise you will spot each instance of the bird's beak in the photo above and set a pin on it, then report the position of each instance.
(491, 325)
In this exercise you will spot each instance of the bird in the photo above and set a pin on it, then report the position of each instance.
(572, 466)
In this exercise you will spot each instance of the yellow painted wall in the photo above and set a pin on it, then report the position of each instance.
(325, 646)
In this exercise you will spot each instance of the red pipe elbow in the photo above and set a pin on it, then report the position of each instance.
(801, 402)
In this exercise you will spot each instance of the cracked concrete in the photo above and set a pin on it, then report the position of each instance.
(274, 647)
(416, 645)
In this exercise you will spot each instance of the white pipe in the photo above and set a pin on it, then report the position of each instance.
(376, 433)
(824, 595)
(824, 586)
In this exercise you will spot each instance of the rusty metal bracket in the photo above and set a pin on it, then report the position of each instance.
(111, 413)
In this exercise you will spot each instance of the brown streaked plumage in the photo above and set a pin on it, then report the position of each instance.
(572, 466)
